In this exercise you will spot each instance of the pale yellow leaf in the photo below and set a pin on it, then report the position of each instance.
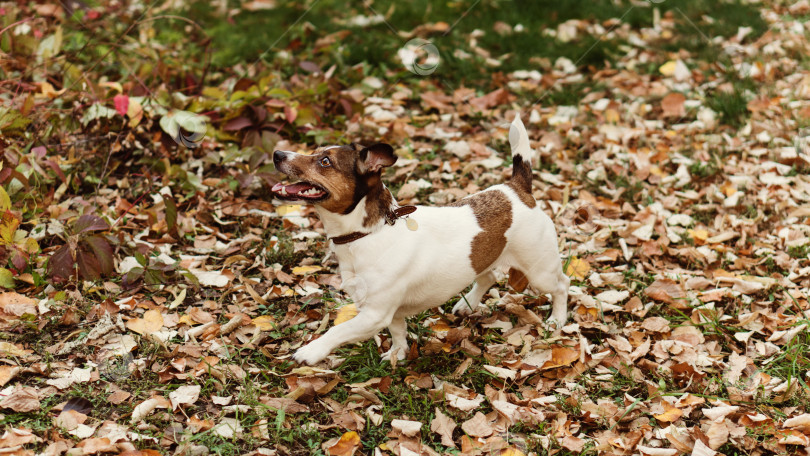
(578, 268)
(672, 414)
(345, 446)
(288, 209)
(302, 270)
(265, 322)
(345, 313)
(151, 322)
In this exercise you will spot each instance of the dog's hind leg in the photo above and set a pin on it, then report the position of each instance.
(470, 302)
(399, 342)
(548, 277)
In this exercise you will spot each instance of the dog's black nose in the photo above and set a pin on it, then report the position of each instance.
(278, 157)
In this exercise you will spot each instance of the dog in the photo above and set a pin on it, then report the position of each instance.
(396, 262)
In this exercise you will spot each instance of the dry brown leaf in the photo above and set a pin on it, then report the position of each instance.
(96, 445)
(444, 426)
(118, 397)
(512, 452)
(673, 105)
(561, 356)
(667, 291)
(15, 437)
(478, 426)
(151, 322)
(407, 428)
(671, 413)
(571, 443)
(186, 394)
(22, 399)
(347, 445)
(148, 406)
(265, 322)
(800, 422)
(16, 305)
(7, 373)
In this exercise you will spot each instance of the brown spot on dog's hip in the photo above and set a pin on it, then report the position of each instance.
(493, 212)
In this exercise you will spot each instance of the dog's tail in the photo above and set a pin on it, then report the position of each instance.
(521, 155)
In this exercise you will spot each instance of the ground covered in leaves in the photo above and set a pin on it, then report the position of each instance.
(155, 290)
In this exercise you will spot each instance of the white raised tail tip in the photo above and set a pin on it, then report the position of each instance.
(519, 139)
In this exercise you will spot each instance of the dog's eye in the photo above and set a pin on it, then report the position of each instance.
(325, 162)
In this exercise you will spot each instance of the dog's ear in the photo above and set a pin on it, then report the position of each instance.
(377, 156)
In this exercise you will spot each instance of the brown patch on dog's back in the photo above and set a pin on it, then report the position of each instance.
(521, 181)
(525, 198)
(493, 212)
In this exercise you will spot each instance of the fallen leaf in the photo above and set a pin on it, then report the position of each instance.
(228, 428)
(671, 414)
(673, 105)
(666, 290)
(265, 322)
(478, 426)
(578, 268)
(16, 437)
(22, 399)
(303, 270)
(561, 356)
(186, 394)
(151, 322)
(146, 407)
(407, 427)
(444, 426)
(345, 313)
(347, 445)
(96, 445)
(7, 373)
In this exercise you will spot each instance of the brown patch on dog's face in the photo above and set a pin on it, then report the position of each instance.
(345, 174)
(493, 212)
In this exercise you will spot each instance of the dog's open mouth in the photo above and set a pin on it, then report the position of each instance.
(300, 191)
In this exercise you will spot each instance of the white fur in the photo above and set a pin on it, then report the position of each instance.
(394, 273)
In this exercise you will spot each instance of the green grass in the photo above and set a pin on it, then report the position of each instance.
(259, 35)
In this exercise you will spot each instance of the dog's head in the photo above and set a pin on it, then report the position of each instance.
(335, 178)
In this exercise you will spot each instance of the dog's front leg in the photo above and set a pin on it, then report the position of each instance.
(363, 326)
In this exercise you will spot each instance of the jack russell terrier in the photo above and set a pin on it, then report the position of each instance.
(395, 268)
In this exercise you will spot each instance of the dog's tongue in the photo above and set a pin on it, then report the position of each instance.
(300, 189)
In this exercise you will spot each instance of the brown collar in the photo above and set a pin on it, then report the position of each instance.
(390, 219)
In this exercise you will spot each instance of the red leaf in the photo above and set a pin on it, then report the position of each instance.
(103, 253)
(237, 124)
(121, 104)
(290, 113)
(52, 164)
(89, 267)
(90, 222)
(61, 263)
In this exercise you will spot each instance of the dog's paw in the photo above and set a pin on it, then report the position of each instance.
(464, 309)
(310, 354)
(554, 324)
(387, 356)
